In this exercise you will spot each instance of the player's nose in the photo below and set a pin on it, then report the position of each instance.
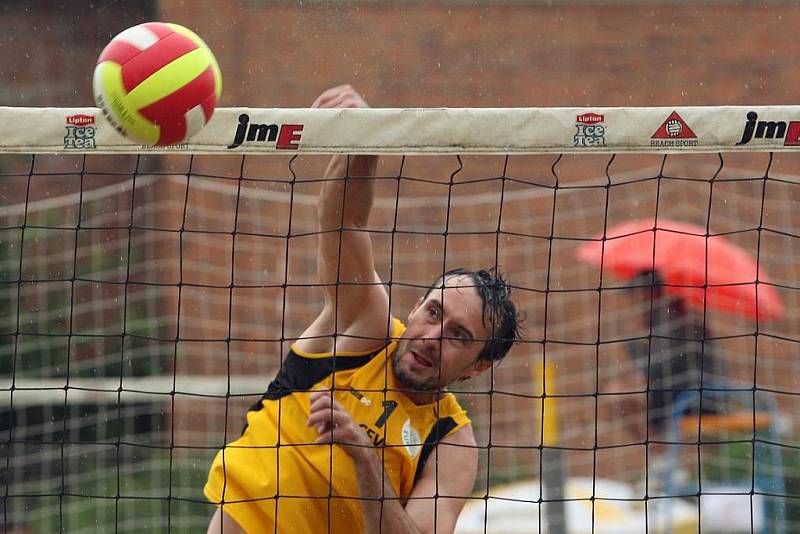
(433, 338)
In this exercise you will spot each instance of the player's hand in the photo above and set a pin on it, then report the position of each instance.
(343, 96)
(335, 425)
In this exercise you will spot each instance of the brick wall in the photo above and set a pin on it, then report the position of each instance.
(408, 54)
(276, 54)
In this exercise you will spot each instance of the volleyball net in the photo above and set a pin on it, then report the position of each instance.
(147, 296)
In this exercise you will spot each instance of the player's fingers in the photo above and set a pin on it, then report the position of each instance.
(347, 98)
(327, 437)
(340, 434)
(337, 429)
(329, 95)
(320, 394)
(324, 437)
(328, 417)
(334, 101)
(321, 403)
(322, 417)
(352, 100)
(336, 405)
(325, 434)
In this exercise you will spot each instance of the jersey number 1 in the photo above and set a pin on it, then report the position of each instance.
(388, 408)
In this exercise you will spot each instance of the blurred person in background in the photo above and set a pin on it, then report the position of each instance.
(669, 355)
(676, 273)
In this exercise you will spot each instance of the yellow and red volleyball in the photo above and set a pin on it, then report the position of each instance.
(157, 83)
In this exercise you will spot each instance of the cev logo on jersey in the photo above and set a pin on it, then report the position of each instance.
(411, 439)
(360, 396)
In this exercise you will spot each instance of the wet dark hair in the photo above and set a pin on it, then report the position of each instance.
(499, 312)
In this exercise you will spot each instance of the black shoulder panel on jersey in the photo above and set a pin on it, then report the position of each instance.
(300, 374)
(442, 427)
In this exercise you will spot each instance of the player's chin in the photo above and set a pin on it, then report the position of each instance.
(410, 375)
(419, 366)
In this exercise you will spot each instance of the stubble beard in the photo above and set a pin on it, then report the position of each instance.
(409, 381)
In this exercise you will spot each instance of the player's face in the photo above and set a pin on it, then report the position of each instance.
(444, 336)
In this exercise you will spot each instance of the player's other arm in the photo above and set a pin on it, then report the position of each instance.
(448, 478)
(438, 496)
(356, 305)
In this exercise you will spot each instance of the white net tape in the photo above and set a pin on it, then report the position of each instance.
(142, 299)
(426, 131)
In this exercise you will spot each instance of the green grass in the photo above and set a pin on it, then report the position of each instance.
(143, 499)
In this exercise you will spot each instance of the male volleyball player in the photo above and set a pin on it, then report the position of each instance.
(389, 450)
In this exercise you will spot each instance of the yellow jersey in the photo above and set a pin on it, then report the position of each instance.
(275, 479)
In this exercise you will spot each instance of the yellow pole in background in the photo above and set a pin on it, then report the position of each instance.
(550, 404)
(553, 472)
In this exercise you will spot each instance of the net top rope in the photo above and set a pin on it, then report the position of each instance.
(425, 131)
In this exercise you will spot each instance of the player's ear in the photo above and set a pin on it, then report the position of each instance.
(477, 368)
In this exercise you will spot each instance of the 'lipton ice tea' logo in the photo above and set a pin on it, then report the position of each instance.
(590, 130)
(80, 132)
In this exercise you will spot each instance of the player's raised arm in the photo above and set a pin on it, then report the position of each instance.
(356, 304)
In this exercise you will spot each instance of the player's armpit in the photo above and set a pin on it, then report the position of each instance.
(451, 480)
(361, 325)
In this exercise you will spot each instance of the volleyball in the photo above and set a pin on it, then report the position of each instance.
(157, 83)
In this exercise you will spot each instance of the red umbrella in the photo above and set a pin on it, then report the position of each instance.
(680, 256)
